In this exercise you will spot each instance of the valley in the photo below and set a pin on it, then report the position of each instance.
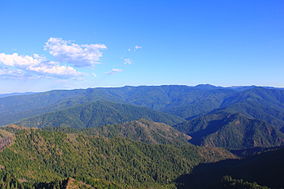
(124, 94)
(143, 137)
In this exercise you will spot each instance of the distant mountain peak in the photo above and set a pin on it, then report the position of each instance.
(206, 86)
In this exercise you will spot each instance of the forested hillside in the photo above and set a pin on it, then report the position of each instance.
(231, 131)
(264, 104)
(139, 137)
(180, 100)
(141, 130)
(260, 103)
(265, 169)
(38, 156)
(98, 114)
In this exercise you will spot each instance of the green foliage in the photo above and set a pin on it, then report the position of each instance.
(265, 104)
(183, 101)
(98, 114)
(8, 181)
(39, 156)
(141, 130)
(142, 154)
(260, 103)
(265, 169)
(228, 182)
(231, 131)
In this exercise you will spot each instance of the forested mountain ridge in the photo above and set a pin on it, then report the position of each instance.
(249, 118)
(258, 102)
(141, 130)
(39, 156)
(98, 113)
(106, 137)
(184, 101)
(260, 111)
(231, 131)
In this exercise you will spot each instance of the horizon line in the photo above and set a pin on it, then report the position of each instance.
(206, 84)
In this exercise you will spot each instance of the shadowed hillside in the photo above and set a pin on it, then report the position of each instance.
(232, 131)
(265, 169)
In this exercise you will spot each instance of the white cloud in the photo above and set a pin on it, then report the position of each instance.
(137, 47)
(18, 60)
(71, 53)
(19, 65)
(68, 56)
(56, 70)
(127, 61)
(114, 70)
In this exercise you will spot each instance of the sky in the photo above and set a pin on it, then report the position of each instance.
(67, 44)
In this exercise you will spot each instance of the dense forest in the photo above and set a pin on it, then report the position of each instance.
(232, 131)
(143, 137)
(39, 156)
(98, 114)
(265, 169)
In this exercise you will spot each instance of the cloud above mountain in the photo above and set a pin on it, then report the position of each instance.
(19, 65)
(75, 54)
(66, 57)
(63, 59)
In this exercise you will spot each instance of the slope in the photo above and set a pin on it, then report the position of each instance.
(265, 169)
(231, 131)
(184, 101)
(43, 156)
(97, 114)
(260, 103)
(142, 130)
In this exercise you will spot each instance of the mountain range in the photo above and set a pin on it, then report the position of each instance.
(231, 130)
(193, 110)
(140, 137)
(183, 101)
(98, 113)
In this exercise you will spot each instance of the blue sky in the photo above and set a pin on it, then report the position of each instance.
(67, 44)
